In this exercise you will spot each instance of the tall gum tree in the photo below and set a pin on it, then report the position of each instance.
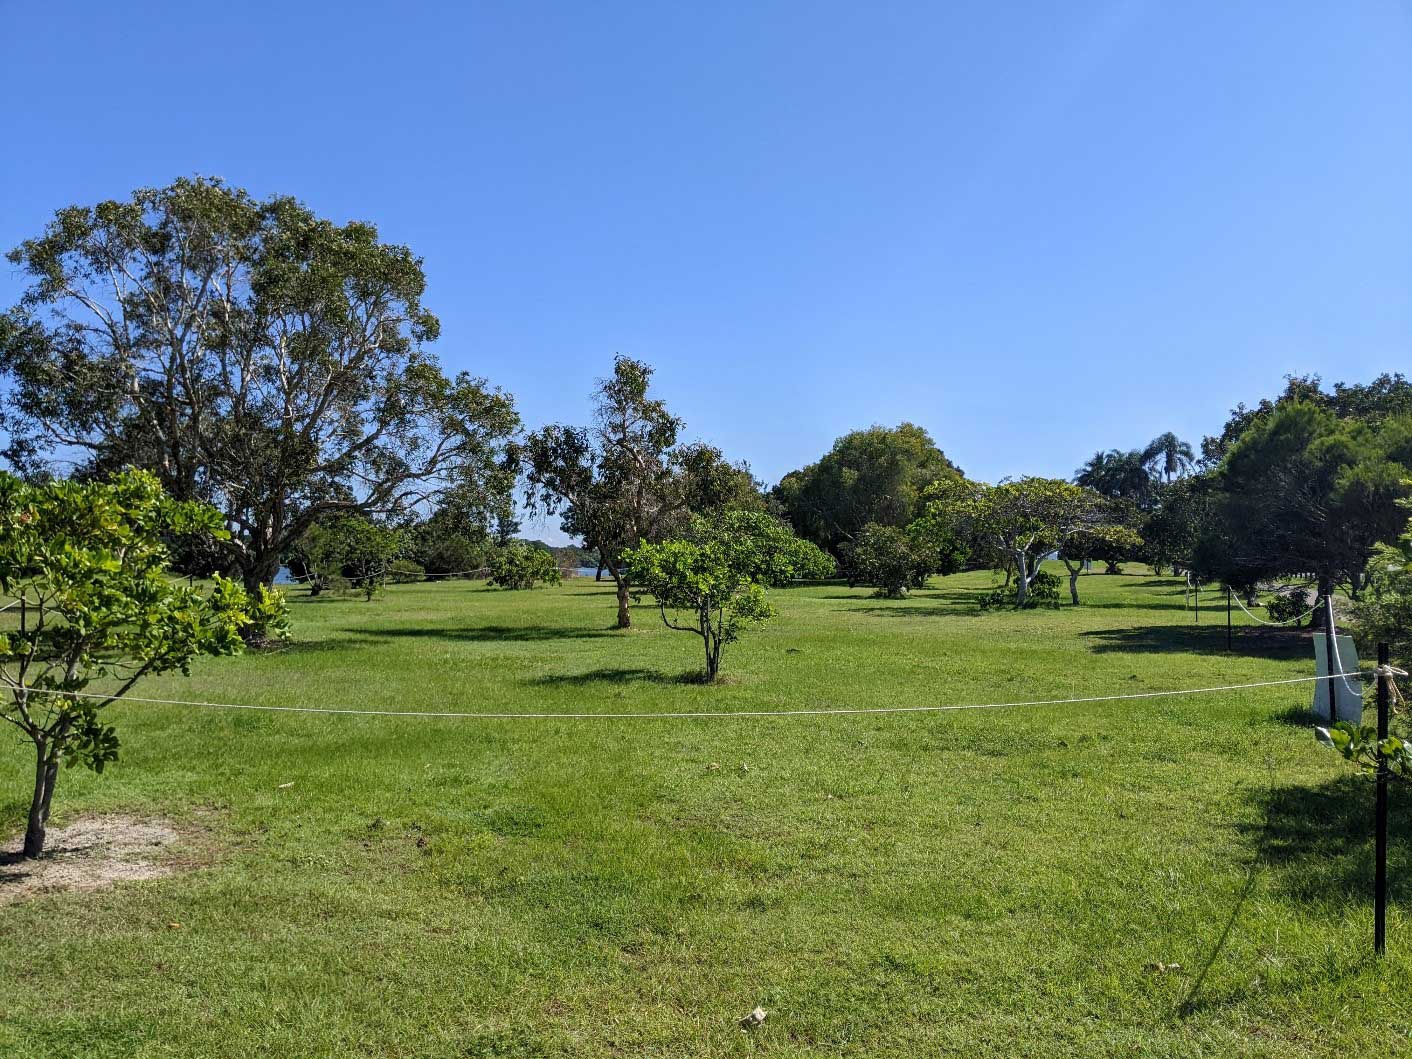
(627, 479)
(252, 355)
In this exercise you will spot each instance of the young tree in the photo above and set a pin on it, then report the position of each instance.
(86, 565)
(626, 479)
(873, 476)
(713, 579)
(352, 549)
(250, 354)
(887, 557)
(519, 565)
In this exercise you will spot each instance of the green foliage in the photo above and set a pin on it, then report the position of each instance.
(628, 479)
(89, 561)
(1360, 745)
(1384, 613)
(869, 476)
(249, 353)
(1016, 523)
(405, 572)
(1288, 606)
(1303, 490)
(1043, 592)
(1119, 475)
(889, 558)
(519, 566)
(353, 552)
(713, 580)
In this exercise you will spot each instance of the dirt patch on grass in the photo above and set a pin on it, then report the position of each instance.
(92, 853)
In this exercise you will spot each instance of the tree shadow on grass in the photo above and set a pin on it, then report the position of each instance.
(484, 633)
(609, 675)
(1198, 639)
(1318, 840)
(1315, 844)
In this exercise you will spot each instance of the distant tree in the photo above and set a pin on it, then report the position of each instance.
(518, 565)
(1094, 532)
(873, 476)
(1017, 522)
(87, 565)
(627, 479)
(1303, 491)
(353, 550)
(1118, 475)
(1177, 524)
(886, 557)
(250, 354)
(712, 581)
(1168, 456)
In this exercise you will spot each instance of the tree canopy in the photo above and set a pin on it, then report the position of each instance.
(873, 476)
(249, 353)
(629, 478)
(85, 565)
(1303, 491)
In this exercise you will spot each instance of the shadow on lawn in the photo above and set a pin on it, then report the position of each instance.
(1316, 846)
(484, 633)
(1198, 639)
(608, 675)
(1318, 841)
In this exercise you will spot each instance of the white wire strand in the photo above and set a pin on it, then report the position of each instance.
(685, 715)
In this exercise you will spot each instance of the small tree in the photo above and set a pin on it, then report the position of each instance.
(628, 479)
(352, 549)
(1093, 532)
(887, 558)
(87, 567)
(713, 581)
(519, 565)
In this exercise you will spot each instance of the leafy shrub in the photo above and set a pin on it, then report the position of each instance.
(1044, 592)
(520, 566)
(887, 558)
(405, 572)
(1288, 606)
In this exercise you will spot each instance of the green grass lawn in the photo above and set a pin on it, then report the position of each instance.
(978, 883)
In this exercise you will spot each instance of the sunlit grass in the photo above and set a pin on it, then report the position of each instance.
(990, 882)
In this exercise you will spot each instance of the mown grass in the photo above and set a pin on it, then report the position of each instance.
(978, 883)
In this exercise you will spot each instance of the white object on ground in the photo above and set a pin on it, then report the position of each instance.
(1348, 693)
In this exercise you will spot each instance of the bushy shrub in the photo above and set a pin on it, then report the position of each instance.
(405, 572)
(1289, 606)
(520, 566)
(1044, 592)
(887, 558)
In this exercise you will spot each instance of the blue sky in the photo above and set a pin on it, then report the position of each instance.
(1037, 229)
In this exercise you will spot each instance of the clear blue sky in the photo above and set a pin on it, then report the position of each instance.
(1036, 229)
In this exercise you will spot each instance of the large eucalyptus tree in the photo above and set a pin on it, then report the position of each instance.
(251, 354)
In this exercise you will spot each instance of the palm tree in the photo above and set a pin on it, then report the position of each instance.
(1169, 456)
(1117, 474)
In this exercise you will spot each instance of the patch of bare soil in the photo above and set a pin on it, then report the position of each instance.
(90, 854)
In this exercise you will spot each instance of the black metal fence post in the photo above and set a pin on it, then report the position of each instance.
(1380, 823)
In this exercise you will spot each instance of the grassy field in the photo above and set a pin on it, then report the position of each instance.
(978, 883)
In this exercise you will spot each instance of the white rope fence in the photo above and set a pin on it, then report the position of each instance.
(687, 714)
(1289, 621)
